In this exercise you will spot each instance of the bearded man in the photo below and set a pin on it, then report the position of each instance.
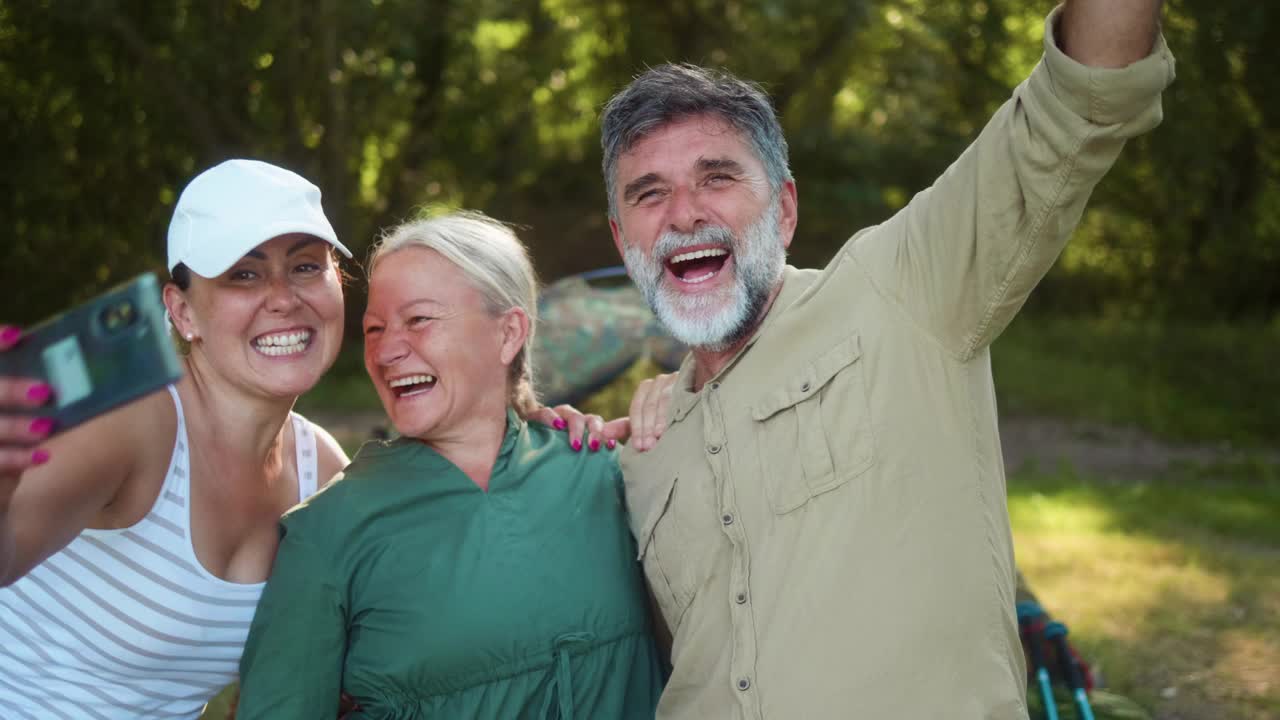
(823, 522)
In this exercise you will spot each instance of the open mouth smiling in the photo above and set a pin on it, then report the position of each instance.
(697, 265)
(280, 344)
(410, 385)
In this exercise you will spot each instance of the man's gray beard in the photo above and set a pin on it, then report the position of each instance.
(714, 321)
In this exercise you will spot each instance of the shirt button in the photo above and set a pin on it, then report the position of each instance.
(727, 519)
(713, 449)
(744, 683)
(715, 386)
(804, 387)
(740, 598)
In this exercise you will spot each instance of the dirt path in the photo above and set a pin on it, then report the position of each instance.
(1109, 452)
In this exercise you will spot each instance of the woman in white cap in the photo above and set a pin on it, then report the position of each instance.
(134, 548)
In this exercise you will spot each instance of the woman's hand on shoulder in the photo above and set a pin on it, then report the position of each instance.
(650, 410)
(585, 430)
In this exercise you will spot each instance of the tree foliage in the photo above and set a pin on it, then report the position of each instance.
(108, 107)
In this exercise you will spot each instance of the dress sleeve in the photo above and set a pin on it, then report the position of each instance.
(293, 661)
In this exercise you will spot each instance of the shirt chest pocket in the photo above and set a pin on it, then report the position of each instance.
(677, 539)
(814, 431)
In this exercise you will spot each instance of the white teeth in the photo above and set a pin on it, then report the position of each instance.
(696, 254)
(283, 343)
(412, 380)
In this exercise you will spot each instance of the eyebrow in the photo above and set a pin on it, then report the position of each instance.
(419, 301)
(304, 242)
(404, 306)
(725, 164)
(635, 187)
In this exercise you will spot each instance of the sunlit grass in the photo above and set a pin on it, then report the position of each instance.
(1178, 607)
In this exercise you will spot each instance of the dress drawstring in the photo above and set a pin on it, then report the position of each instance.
(562, 680)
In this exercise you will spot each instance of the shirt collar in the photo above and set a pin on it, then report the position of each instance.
(683, 398)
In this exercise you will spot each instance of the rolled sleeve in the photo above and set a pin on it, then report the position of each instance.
(1104, 96)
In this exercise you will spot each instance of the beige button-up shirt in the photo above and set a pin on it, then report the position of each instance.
(823, 524)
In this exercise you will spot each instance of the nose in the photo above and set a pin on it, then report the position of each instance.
(684, 210)
(282, 297)
(388, 349)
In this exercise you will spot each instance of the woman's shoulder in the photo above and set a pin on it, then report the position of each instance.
(357, 491)
(552, 446)
(330, 457)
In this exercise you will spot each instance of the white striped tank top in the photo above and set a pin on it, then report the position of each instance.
(128, 623)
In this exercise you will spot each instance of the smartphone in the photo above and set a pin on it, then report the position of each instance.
(98, 355)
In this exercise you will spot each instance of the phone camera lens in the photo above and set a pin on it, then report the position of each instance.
(118, 316)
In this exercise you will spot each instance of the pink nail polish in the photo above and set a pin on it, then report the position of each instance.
(595, 444)
(577, 444)
(612, 443)
(39, 457)
(559, 424)
(41, 426)
(10, 334)
(39, 393)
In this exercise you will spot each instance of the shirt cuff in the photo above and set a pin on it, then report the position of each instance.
(1104, 96)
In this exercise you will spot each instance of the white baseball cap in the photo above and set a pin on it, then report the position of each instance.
(235, 206)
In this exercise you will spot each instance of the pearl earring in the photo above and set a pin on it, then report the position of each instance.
(191, 336)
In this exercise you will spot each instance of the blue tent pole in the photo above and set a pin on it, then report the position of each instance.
(1029, 614)
(1056, 633)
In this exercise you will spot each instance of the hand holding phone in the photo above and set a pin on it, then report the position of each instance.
(79, 364)
(19, 435)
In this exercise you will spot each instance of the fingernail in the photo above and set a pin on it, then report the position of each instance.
(559, 424)
(595, 444)
(577, 444)
(41, 426)
(10, 334)
(39, 457)
(39, 393)
(612, 443)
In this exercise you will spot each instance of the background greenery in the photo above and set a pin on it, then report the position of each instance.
(108, 107)
(1162, 317)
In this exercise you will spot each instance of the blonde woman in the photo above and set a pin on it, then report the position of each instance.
(477, 566)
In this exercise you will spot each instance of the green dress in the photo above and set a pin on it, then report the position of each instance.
(420, 595)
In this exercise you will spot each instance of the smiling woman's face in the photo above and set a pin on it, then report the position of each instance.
(271, 324)
(433, 350)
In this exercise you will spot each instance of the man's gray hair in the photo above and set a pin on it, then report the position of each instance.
(670, 93)
(497, 265)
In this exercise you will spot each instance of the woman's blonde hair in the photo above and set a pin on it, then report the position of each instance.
(497, 265)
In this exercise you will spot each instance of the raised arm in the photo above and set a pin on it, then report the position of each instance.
(963, 256)
(82, 471)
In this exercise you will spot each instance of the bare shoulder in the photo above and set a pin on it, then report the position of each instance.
(144, 434)
(330, 457)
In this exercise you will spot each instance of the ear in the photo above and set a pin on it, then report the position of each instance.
(515, 331)
(617, 237)
(788, 212)
(179, 307)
